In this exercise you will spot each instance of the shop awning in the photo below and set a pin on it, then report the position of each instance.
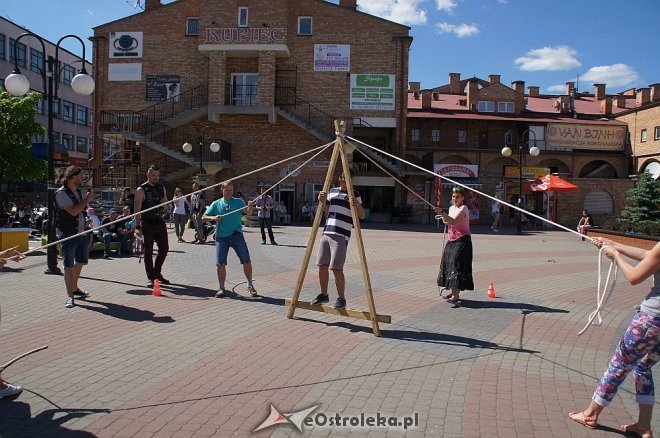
(469, 182)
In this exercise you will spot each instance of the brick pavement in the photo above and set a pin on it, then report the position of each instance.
(125, 363)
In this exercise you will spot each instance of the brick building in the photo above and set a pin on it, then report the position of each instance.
(72, 123)
(265, 79)
(581, 137)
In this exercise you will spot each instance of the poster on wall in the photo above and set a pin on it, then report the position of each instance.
(125, 72)
(163, 87)
(603, 137)
(415, 200)
(372, 92)
(125, 45)
(332, 57)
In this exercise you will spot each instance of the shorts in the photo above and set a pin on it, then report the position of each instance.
(235, 241)
(75, 251)
(197, 221)
(332, 251)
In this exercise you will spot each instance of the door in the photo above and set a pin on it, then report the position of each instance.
(244, 89)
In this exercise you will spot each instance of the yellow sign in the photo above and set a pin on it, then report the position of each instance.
(603, 137)
(528, 172)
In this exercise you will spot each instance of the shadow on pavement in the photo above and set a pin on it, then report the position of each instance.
(177, 292)
(123, 312)
(230, 294)
(523, 307)
(16, 417)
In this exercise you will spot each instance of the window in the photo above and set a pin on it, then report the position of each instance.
(599, 202)
(414, 135)
(435, 135)
(68, 72)
(486, 106)
(81, 144)
(68, 109)
(242, 17)
(20, 49)
(244, 89)
(67, 141)
(56, 108)
(192, 26)
(83, 113)
(462, 136)
(304, 25)
(656, 133)
(56, 137)
(40, 106)
(644, 135)
(3, 54)
(506, 107)
(36, 60)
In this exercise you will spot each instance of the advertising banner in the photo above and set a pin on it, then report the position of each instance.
(162, 87)
(527, 172)
(125, 44)
(603, 137)
(372, 92)
(125, 72)
(332, 57)
(414, 200)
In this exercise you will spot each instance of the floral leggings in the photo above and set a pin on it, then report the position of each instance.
(638, 351)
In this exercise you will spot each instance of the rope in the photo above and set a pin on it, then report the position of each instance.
(3, 367)
(321, 148)
(469, 188)
(601, 297)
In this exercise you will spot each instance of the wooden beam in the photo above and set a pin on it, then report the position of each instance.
(325, 308)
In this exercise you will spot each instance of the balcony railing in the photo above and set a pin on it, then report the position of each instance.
(242, 95)
(305, 111)
(195, 98)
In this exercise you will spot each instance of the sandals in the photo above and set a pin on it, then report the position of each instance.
(590, 422)
(632, 429)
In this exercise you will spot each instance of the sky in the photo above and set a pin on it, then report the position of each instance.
(545, 43)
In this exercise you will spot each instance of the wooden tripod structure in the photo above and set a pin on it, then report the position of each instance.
(339, 152)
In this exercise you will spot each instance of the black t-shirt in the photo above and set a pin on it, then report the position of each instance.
(114, 228)
(129, 201)
(153, 195)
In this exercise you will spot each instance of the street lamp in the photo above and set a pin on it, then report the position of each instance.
(214, 147)
(534, 151)
(17, 84)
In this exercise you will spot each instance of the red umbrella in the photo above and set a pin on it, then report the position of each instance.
(551, 182)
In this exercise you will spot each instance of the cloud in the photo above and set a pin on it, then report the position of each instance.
(90, 12)
(461, 30)
(446, 5)
(615, 75)
(504, 2)
(549, 59)
(556, 88)
(400, 11)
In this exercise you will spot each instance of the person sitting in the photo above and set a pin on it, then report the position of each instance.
(113, 233)
(586, 222)
(282, 214)
(307, 213)
(93, 222)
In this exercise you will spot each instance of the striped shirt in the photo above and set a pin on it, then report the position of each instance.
(340, 221)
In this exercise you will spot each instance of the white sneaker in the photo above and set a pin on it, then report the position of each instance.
(10, 390)
(495, 230)
(69, 303)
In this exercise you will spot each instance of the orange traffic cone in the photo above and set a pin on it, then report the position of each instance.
(491, 291)
(156, 291)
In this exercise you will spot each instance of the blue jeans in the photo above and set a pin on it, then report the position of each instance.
(75, 251)
(236, 241)
(123, 238)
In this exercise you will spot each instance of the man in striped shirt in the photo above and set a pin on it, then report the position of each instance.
(337, 205)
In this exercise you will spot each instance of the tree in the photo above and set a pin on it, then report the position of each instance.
(17, 126)
(642, 201)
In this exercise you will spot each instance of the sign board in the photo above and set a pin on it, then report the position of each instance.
(332, 57)
(125, 44)
(602, 137)
(372, 92)
(457, 170)
(125, 72)
(246, 35)
(527, 172)
(163, 87)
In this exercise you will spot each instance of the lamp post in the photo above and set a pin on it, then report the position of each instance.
(534, 151)
(17, 84)
(214, 146)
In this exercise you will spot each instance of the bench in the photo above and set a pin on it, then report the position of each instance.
(96, 246)
(11, 237)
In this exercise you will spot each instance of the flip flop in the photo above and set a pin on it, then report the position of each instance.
(590, 422)
(633, 429)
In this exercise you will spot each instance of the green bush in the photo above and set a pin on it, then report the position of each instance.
(643, 228)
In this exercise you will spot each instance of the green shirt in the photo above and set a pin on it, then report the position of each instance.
(232, 223)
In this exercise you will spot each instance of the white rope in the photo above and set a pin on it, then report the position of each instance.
(601, 296)
(321, 148)
(469, 188)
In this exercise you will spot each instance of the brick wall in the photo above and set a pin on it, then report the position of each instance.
(643, 152)
(637, 242)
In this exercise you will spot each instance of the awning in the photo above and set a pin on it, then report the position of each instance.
(468, 182)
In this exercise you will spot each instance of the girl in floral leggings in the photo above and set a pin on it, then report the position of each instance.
(638, 350)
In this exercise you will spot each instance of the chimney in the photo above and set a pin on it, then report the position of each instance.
(455, 83)
(655, 92)
(473, 93)
(436, 95)
(570, 88)
(426, 100)
(620, 101)
(606, 106)
(494, 79)
(349, 4)
(564, 104)
(533, 91)
(599, 91)
(643, 96)
(151, 4)
(518, 86)
(414, 86)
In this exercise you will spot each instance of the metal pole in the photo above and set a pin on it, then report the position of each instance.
(520, 178)
(51, 259)
(201, 154)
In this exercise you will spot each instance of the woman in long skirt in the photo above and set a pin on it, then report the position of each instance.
(456, 267)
